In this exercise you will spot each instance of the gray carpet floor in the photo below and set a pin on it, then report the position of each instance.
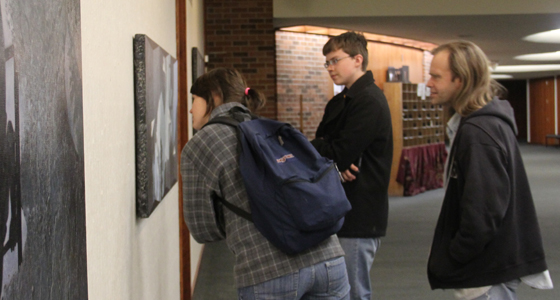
(399, 269)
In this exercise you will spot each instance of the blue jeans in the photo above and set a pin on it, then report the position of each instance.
(326, 281)
(504, 291)
(360, 253)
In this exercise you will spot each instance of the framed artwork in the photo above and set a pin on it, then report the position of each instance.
(155, 88)
(397, 75)
(198, 67)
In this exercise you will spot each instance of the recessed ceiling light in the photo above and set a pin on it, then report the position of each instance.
(549, 56)
(526, 68)
(501, 76)
(551, 36)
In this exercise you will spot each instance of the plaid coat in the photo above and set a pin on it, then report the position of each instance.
(210, 166)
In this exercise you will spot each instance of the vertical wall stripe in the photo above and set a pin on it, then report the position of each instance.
(528, 111)
(556, 104)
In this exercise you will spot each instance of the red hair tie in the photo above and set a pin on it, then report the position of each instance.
(247, 91)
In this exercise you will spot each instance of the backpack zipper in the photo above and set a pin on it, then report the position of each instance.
(288, 181)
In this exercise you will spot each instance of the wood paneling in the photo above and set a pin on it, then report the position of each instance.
(393, 93)
(383, 56)
(183, 136)
(542, 109)
(558, 105)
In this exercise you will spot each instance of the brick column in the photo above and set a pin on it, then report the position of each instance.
(301, 75)
(240, 35)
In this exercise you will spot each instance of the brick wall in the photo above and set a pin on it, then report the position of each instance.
(240, 35)
(301, 75)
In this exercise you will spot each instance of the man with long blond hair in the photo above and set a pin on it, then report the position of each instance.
(487, 239)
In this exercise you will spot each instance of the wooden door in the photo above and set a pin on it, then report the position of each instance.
(542, 109)
(517, 97)
(558, 105)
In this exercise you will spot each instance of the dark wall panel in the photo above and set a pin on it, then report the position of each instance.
(517, 97)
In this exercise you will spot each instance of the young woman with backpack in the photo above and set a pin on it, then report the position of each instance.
(210, 169)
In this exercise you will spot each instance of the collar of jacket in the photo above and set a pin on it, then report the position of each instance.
(224, 108)
(359, 85)
(339, 101)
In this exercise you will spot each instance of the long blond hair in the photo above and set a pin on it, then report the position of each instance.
(469, 63)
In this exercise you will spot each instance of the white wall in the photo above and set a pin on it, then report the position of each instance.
(195, 38)
(128, 258)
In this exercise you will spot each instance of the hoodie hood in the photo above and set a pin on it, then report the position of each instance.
(497, 108)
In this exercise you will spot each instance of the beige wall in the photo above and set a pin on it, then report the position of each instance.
(195, 38)
(356, 8)
(128, 258)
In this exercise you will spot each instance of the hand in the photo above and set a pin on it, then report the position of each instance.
(347, 175)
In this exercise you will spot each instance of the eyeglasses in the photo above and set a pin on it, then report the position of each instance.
(333, 61)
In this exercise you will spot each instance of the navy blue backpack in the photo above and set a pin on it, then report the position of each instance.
(295, 194)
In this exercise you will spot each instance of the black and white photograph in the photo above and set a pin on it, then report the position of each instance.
(155, 79)
(42, 197)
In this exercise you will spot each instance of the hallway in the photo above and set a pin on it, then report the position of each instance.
(399, 270)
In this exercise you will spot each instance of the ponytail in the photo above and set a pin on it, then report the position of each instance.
(253, 99)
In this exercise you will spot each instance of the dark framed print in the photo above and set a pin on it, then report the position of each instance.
(198, 67)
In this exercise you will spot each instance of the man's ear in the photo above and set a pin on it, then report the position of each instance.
(359, 59)
(458, 81)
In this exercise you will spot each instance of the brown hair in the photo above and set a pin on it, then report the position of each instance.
(350, 42)
(230, 86)
(469, 63)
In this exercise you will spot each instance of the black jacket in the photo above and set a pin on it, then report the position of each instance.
(487, 232)
(357, 124)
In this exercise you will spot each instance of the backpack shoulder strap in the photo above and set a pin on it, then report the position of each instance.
(236, 209)
(233, 122)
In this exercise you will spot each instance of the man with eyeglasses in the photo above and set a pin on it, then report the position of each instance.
(356, 133)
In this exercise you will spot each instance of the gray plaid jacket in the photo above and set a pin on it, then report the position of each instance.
(209, 166)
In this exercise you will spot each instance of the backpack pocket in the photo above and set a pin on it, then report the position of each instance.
(316, 203)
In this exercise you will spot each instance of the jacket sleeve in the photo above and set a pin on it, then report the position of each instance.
(486, 195)
(364, 124)
(203, 216)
